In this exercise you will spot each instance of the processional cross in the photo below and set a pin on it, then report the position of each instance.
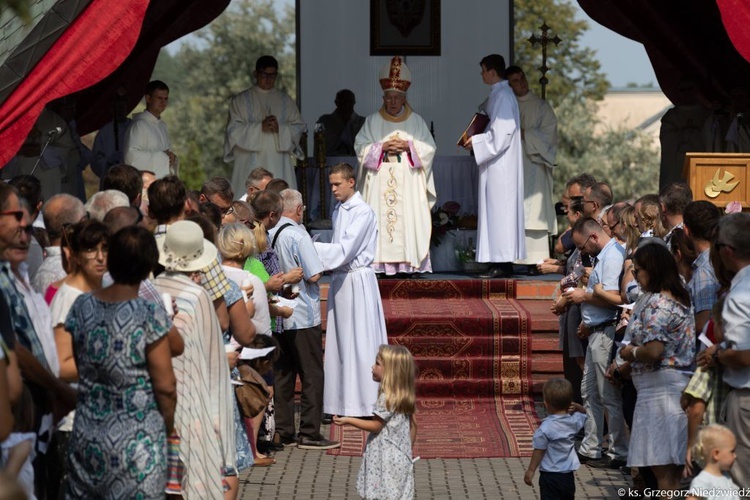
(544, 40)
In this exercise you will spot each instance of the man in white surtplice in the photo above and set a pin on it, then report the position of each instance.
(539, 141)
(395, 151)
(147, 144)
(356, 325)
(499, 155)
(263, 129)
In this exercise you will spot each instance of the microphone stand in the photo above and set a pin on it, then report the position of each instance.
(38, 160)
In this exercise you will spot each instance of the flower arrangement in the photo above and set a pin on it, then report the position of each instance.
(444, 219)
(733, 207)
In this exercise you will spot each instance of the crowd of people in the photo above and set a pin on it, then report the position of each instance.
(155, 346)
(153, 336)
(654, 318)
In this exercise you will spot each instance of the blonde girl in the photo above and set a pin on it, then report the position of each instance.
(387, 470)
(714, 450)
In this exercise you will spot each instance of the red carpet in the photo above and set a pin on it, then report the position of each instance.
(471, 341)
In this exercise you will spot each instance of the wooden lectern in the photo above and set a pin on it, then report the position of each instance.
(719, 177)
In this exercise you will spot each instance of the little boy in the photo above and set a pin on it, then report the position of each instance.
(554, 442)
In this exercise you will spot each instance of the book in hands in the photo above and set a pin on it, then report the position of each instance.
(477, 125)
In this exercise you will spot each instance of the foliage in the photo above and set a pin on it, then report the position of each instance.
(574, 70)
(204, 74)
(626, 159)
(18, 7)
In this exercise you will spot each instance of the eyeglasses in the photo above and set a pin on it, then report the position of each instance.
(29, 229)
(267, 76)
(93, 253)
(588, 201)
(719, 245)
(613, 226)
(227, 211)
(18, 214)
(580, 248)
(248, 223)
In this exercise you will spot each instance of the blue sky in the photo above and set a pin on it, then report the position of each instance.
(623, 60)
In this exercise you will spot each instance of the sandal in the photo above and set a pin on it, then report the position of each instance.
(264, 462)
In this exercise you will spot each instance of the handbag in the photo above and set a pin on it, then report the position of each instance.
(253, 395)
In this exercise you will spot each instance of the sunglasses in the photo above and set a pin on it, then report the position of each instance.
(18, 214)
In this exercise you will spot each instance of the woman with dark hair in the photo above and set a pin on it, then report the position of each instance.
(126, 394)
(684, 253)
(86, 246)
(661, 348)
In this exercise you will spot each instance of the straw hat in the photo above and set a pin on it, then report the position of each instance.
(183, 248)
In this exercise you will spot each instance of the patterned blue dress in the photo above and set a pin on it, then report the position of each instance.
(118, 445)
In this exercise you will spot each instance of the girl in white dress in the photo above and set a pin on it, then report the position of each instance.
(387, 470)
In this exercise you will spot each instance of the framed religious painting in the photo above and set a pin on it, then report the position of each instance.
(405, 27)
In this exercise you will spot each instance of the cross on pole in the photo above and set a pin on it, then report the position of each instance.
(544, 40)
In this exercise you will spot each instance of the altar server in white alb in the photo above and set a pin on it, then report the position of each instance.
(395, 151)
(539, 141)
(356, 325)
(263, 129)
(499, 155)
(147, 145)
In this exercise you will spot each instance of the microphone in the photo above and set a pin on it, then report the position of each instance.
(55, 131)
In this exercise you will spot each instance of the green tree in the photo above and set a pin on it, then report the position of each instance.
(210, 69)
(574, 70)
(626, 159)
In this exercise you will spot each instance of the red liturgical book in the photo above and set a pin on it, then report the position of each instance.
(476, 126)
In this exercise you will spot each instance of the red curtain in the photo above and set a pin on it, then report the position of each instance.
(92, 47)
(735, 14)
(685, 38)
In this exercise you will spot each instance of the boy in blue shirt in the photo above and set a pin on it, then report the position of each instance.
(554, 442)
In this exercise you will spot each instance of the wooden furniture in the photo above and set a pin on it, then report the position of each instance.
(719, 177)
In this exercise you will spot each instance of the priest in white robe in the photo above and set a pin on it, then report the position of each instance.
(147, 144)
(539, 141)
(356, 324)
(395, 150)
(499, 155)
(263, 129)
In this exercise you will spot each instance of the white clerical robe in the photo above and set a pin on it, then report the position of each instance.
(400, 190)
(197, 317)
(145, 142)
(249, 147)
(499, 155)
(196, 370)
(356, 324)
(539, 140)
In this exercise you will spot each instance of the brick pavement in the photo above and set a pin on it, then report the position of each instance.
(308, 474)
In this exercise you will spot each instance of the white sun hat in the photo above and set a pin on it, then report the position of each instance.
(183, 248)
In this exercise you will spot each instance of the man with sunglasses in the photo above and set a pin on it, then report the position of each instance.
(48, 392)
(263, 129)
(599, 320)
